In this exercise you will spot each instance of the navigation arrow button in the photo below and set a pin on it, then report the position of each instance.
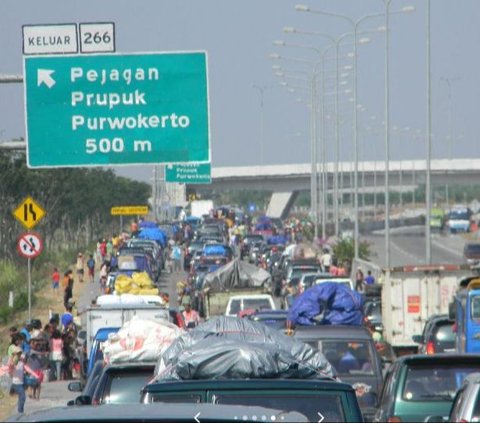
(44, 76)
(322, 418)
(196, 417)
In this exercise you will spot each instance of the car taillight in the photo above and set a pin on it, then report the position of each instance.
(430, 348)
(95, 402)
(394, 419)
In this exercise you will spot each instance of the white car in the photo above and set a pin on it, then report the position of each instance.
(239, 303)
(341, 280)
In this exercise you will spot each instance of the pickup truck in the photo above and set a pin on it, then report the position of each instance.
(319, 399)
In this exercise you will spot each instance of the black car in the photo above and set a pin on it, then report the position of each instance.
(121, 383)
(372, 311)
(352, 352)
(437, 336)
(118, 383)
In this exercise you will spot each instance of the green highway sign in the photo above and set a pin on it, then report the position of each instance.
(193, 173)
(117, 109)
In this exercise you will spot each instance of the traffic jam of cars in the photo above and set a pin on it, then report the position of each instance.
(271, 323)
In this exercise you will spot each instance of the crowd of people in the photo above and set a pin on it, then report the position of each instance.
(37, 353)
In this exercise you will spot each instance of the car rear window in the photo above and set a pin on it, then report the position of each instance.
(124, 388)
(310, 405)
(257, 304)
(436, 381)
(444, 334)
(348, 358)
(234, 307)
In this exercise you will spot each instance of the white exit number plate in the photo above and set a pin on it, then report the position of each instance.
(97, 37)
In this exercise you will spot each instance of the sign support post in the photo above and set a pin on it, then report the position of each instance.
(29, 265)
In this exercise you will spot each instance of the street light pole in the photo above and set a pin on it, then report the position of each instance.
(428, 188)
(313, 148)
(387, 136)
(261, 90)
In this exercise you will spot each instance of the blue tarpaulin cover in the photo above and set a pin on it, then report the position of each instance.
(155, 234)
(147, 224)
(215, 250)
(277, 239)
(329, 303)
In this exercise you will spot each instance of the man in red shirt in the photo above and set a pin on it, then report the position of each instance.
(190, 316)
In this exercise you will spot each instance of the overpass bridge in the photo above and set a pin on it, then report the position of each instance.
(404, 176)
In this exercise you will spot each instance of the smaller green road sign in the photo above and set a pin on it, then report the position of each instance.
(193, 173)
(117, 109)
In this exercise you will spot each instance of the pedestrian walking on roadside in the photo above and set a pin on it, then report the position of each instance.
(91, 268)
(55, 281)
(80, 267)
(68, 287)
(17, 370)
(56, 353)
(103, 276)
(359, 281)
(176, 258)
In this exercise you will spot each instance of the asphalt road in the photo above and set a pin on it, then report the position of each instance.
(407, 247)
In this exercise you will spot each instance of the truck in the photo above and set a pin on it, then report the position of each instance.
(465, 311)
(200, 208)
(437, 219)
(114, 315)
(459, 219)
(411, 294)
(236, 278)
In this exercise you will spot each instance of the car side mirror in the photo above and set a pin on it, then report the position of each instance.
(418, 339)
(75, 386)
(83, 400)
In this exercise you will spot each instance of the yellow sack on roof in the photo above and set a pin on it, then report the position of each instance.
(142, 280)
(123, 283)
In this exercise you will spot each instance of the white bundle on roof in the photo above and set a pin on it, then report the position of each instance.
(140, 340)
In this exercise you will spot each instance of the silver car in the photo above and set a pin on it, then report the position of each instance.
(466, 405)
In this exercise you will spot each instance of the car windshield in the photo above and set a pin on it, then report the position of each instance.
(125, 388)
(310, 405)
(348, 358)
(435, 382)
(459, 215)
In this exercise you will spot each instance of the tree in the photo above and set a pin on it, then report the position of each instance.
(344, 250)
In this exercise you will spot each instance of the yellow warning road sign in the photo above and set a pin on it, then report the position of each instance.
(129, 210)
(29, 213)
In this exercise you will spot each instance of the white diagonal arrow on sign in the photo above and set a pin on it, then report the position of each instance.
(321, 419)
(44, 76)
(196, 417)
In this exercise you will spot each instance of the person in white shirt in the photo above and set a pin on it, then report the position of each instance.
(326, 261)
(17, 369)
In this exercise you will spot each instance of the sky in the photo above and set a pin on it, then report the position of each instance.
(238, 37)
